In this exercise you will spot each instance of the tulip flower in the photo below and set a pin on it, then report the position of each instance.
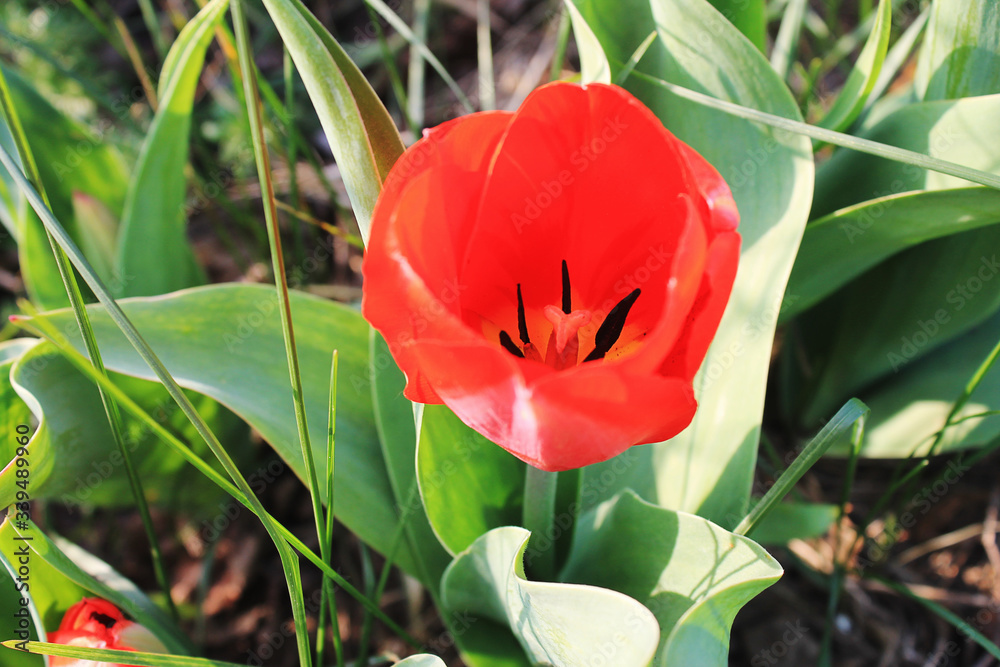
(554, 275)
(96, 623)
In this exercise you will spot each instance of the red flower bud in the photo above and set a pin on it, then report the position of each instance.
(554, 275)
(96, 623)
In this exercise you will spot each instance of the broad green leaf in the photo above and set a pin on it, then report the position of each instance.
(691, 573)
(556, 624)
(422, 660)
(70, 159)
(225, 342)
(961, 52)
(73, 455)
(951, 130)
(843, 245)
(362, 136)
(909, 407)
(893, 314)
(394, 420)
(458, 468)
(749, 16)
(154, 256)
(594, 67)
(708, 469)
(794, 521)
(854, 93)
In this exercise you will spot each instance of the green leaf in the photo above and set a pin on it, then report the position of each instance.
(950, 130)
(394, 419)
(691, 573)
(63, 573)
(909, 407)
(749, 17)
(458, 468)
(843, 245)
(556, 624)
(961, 52)
(362, 136)
(225, 342)
(154, 256)
(794, 521)
(70, 159)
(893, 314)
(594, 67)
(73, 455)
(708, 469)
(854, 93)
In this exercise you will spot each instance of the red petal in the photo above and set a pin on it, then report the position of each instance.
(585, 174)
(422, 217)
(556, 421)
(703, 320)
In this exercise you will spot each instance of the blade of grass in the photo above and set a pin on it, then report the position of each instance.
(325, 226)
(291, 156)
(420, 44)
(829, 136)
(153, 26)
(107, 655)
(259, 142)
(42, 328)
(148, 87)
(72, 288)
(789, 34)
(950, 617)
(417, 71)
(484, 50)
(635, 58)
(326, 543)
(852, 411)
(252, 97)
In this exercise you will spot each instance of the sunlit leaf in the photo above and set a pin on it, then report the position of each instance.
(556, 624)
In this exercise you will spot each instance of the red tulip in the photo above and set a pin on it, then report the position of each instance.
(96, 623)
(554, 275)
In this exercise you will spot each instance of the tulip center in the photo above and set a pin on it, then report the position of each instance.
(564, 344)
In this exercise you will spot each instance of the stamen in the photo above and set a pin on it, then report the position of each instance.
(103, 619)
(522, 323)
(566, 302)
(611, 329)
(508, 344)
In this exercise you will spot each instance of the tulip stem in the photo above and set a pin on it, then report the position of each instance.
(539, 517)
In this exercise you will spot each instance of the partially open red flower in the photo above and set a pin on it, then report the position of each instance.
(554, 275)
(96, 623)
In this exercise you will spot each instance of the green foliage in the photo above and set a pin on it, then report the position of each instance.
(154, 256)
